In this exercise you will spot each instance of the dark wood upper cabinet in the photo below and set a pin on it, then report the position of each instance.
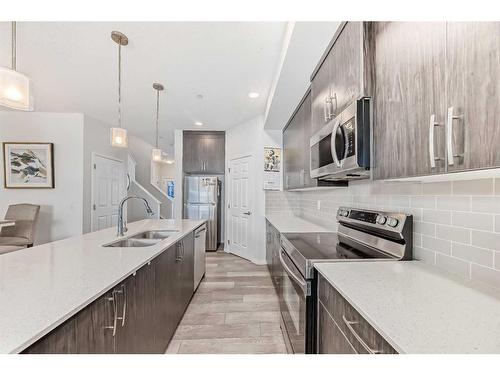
(409, 94)
(342, 75)
(204, 152)
(473, 94)
(437, 97)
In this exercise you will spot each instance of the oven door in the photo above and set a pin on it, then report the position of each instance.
(321, 153)
(295, 291)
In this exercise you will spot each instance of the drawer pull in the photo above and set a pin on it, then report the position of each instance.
(349, 325)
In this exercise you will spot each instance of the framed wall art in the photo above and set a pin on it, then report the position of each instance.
(28, 165)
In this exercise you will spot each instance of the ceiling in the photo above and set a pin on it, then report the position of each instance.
(74, 69)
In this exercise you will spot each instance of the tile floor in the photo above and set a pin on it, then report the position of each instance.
(234, 311)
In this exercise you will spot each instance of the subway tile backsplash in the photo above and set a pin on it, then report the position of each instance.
(456, 223)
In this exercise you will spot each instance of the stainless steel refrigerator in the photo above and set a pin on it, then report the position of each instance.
(202, 196)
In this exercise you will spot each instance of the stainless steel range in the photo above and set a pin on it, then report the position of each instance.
(363, 235)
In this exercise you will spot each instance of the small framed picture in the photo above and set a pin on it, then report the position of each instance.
(28, 165)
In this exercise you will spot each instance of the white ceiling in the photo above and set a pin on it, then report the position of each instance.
(74, 69)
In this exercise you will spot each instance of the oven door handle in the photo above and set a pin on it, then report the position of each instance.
(333, 147)
(303, 284)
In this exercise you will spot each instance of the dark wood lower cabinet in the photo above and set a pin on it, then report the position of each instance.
(341, 329)
(138, 315)
(94, 333)
(60, 341)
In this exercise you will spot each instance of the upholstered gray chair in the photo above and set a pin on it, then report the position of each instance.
(22, 233)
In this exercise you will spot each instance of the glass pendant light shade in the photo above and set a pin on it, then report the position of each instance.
(119, 137)
(156, 154)
(15, 90)
(15, 87)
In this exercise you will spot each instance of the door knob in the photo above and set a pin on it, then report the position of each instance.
(247, 213)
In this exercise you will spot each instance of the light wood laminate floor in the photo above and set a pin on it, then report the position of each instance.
(234, 311)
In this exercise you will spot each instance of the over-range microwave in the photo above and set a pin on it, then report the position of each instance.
(341, 149)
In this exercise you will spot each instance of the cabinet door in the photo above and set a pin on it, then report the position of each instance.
(187, 272)
(94, 324)
(330, 339)
(61, 340)
(192, 153)
(346, 67)
(307, 181)
(166, 284)
(269, 247)
(136, 305)
(145, 309)
(292, 149)
(128, 338)
(320, 93)
(213, 152)
(409, 91)
(473, 90)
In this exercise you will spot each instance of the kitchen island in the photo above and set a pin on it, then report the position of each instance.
(44, 286)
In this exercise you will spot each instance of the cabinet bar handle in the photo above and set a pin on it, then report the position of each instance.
(115, 313)
(432, 125)
(124, 308)
(449, 136)
(327, 109)
(349, 325)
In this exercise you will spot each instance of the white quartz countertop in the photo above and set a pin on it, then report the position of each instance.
(287, 223)
(42, 286)
(419, 309)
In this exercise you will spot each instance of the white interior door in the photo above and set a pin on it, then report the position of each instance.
(108, 188)
(241, 207)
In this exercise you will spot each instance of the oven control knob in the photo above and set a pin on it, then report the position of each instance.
(381, 219)
(345, 213)
(392, 222)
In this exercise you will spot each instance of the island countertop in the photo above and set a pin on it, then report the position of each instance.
(42, 286)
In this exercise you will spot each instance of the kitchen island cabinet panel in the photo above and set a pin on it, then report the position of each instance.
(61, 340)
(93, 327)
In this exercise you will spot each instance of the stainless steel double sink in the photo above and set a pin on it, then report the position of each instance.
(143, 239)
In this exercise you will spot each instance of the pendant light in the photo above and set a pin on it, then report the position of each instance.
(157, 154)
(15, 88)
(119, 135)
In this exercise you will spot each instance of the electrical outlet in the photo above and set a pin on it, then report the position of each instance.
(318, 205)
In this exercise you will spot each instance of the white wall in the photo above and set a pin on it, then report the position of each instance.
(95, 140)
(250, 138)
(141, 152)
(61, 208)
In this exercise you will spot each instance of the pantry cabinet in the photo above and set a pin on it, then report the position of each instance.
(436, 97)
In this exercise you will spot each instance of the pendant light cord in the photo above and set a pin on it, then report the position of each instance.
(119, 85)
(157, 114)
(14, 40)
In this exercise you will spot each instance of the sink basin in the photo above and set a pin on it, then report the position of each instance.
(154, 234)
(133, 242)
